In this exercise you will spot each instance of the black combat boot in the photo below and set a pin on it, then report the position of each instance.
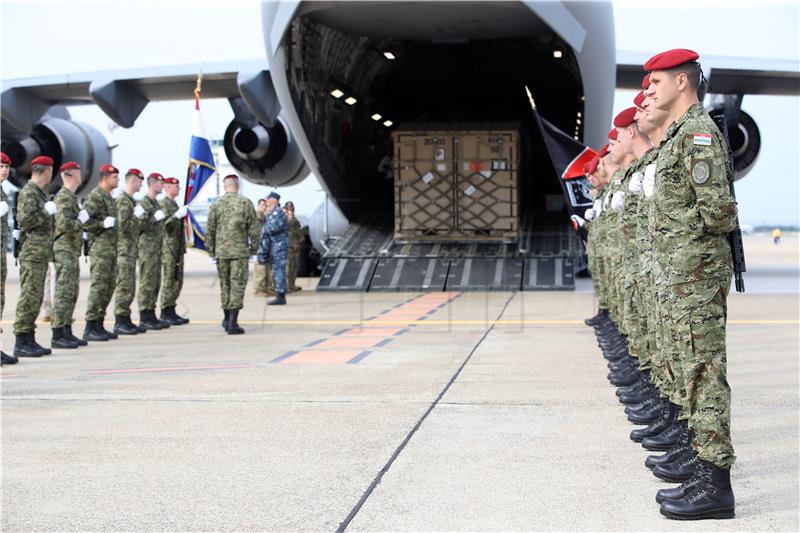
(233, 323)
(636, 397)
(648, 413)
(32, 341)
(595, 319)
(680, 470)
(710, 497)
(25, 348)
(149, 321)
(666, 419)
(110, 334)
(280, 299)
(683, 445)
(226, 319)
(172, 318)
(6, 359)
(93, 333)
(73, 338)
(624, 377)
(664, 440)
(123, 326)
(60, 340)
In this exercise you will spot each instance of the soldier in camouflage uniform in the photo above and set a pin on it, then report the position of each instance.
(694, 212)
(172, 253)
(5, 170)
(66, 253)
(35, 220)
(102, 233)
(262, 274)
(274, 246)
(150, 240)
(295, 248)
(128, 216)
(232, 233)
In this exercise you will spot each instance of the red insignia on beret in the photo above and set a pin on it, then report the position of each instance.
(603, 150)
(69, 165)
(612, 134)
(135, 172)
(4, 159)
(231, 177)
(156, 176)
(108, 167)
(646, 81)
(43, 160)
(625, 117)
(639, 100)
(171, 181)
(670, 59)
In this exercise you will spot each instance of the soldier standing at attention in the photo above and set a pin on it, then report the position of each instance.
(260, 271)
(295, 247)
(101, 227)
(128, 216)
(35, 220)
(231, 239)
(150, 239)
(694, 212)
(172, 252)
(5, 170)
(275, 244)
(66, 252)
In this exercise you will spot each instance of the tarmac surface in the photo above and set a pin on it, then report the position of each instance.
(380, 411)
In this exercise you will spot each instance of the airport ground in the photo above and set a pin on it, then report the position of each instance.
(393, 411)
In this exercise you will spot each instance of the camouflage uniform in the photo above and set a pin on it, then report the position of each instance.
(150, 238)
(172, 251)
(4, 244)
(275, 244)
(612, 259)
(295, 247)
(127, 251)
(66, 252)
(630, 268)
(36, 251)
(619, 184)
(232, 237)
(261, 276)
(599, 228)
(693, 213)
(102, 251)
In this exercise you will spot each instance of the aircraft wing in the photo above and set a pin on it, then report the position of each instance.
(726, 74)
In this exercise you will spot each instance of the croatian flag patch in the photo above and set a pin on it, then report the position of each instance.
(702, 139)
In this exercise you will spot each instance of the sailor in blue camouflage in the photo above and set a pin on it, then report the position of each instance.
(275, 242)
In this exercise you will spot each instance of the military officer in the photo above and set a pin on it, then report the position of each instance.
(173, 250)
(100, 213)
(275, 245)
(262, 274)
(66, 252)
(128, 216)
(35, 220)
(295, 247)
(232, 233)
(5, 170)
(694, 212)
(150, 240)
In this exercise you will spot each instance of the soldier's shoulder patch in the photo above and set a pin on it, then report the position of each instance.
(701, 171)
(701, 139)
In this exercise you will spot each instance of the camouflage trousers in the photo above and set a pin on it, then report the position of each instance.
(637, 335)
(232, 281)
(31, 292)
(3, 274)
(697, 322)
(292, 266)
(263, 281)
(126, 285)
(68, 274)
(653, 324)
(103, 275)
(172, 272)
(599, 277)
(149, 280)
(279, 270)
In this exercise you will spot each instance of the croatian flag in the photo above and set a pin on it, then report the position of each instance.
(201, 168)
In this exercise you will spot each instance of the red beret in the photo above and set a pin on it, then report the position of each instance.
(135, 172)
(603, 151)
(156, 176)
(108, 167)
(231, 177)
(4, 159)
(612, 134)
(69, 165)
(625, 117)
(646, 81)
(670, 59)
(43, 160)
(639, 100)
(593, 164)
(171, 181)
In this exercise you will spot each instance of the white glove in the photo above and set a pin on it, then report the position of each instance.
(618, 201)
(138, 211)
(51, 208)
(159, 215)
(649, 181)
(578, 220)
(116, 193)
(181, 212)
(3, 208)
(109, 222)
(85, 236)
(590, 214)
(213, 260)
(635, 185)
(252, 259)
(15, 234)
(83, 216)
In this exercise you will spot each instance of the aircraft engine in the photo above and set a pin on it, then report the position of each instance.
(745, 140)
(265, 155)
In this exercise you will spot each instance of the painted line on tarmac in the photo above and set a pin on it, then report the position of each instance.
(168, 369)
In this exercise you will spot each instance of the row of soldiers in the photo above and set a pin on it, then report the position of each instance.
(114, 234)
(661, 266)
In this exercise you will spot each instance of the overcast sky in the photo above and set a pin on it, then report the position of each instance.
(46, 38)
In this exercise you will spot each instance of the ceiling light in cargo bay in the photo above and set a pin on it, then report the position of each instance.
(577, 121)
(388, 123)
(350, 100)
(336, 93)
(388, 55)
(557, 54)
(376, 117)
(579, 114)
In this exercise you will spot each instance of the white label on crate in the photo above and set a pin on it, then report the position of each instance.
(441, 167)
(486, 174)
(439, 154)
(470, 190)
(427, 178)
